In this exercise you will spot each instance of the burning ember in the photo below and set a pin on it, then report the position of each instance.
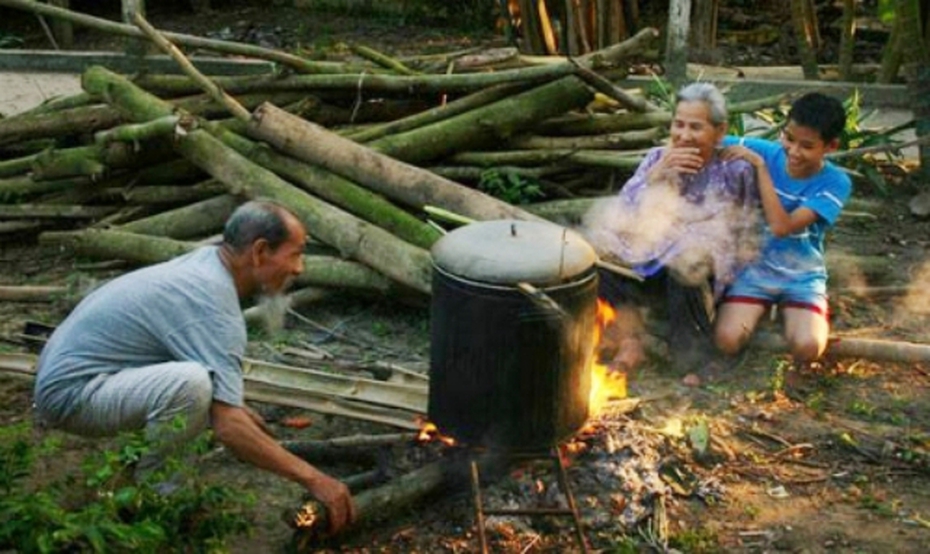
(606, 384)
(429, 432)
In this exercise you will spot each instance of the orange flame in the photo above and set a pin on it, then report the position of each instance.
(429, 432)
(605, 383)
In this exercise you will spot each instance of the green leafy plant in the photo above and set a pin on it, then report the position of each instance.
(10, 41)
(510, 187)
(103, 509)
(696, 541)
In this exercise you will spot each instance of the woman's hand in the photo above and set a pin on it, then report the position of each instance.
(676, 160)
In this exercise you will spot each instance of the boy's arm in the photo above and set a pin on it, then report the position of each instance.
(781, 222)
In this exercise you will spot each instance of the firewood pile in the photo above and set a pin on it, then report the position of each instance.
(376, 159)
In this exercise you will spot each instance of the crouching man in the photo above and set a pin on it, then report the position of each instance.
(166, 341)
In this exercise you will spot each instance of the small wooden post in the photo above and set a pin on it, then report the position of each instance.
(134, 47)
(676, 46)
(62, 30)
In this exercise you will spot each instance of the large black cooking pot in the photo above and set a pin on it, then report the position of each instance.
(510, 370)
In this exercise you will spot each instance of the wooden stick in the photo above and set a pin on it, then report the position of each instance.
(31, 293)
(310, 521)
(188, 68)
(613, 91)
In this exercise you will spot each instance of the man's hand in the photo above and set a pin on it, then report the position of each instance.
(335, 495)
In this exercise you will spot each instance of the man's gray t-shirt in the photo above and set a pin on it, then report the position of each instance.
(186, 309)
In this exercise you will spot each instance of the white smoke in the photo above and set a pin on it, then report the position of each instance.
(708, 238)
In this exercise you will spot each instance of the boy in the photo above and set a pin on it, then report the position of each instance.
(802, 195)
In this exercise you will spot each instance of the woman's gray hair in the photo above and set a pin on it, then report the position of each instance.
(710, 95)
(256, 219)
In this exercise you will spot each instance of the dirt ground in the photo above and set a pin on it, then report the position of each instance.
(833, 462)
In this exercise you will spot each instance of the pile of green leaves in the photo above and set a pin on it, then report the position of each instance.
(510, 187)
(103, 509)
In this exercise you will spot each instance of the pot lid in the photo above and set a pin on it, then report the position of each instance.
(509, 251)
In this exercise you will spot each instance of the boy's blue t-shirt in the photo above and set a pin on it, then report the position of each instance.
(799, 256)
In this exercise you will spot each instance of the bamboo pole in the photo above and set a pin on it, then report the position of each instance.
(360, 83)
(335, 189)
(193, 220)
(188, 68)
(404, 182)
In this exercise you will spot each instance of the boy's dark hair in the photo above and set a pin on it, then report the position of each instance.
(821, 113)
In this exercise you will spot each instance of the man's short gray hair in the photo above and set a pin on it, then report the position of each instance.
(256, 219)
(710, 95)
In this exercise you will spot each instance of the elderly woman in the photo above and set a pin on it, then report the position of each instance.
(685, 222)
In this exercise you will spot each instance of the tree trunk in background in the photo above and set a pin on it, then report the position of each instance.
(676, 46)
(532, 32)
(891, 55)
(704, 31)
(805, 34)
(847, 39)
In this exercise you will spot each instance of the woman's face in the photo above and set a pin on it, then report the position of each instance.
(692, 127)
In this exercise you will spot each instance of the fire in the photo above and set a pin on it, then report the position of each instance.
(429, 432)
(605, 383)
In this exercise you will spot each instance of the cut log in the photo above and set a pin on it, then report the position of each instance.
(486, 127)
(625, 161)
(445, 111)
(352, 237)
(31, 293)
(598, 124)
(43, 211)
(138, 131)
(406, 183)
(25, 187)
(164, 195)
(361, 83)
(310, 521)
(199, 219)
(335, 189)
(108, 244)
(851, 347)
(614, 141)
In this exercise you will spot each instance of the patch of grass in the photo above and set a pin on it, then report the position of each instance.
(816, 402)
(879, 506)
(752, 511)
(696, 541)
(862, 409)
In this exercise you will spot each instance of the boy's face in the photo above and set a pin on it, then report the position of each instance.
(805, 148)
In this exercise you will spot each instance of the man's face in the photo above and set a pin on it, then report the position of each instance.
(805, 149)
(276, 268)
